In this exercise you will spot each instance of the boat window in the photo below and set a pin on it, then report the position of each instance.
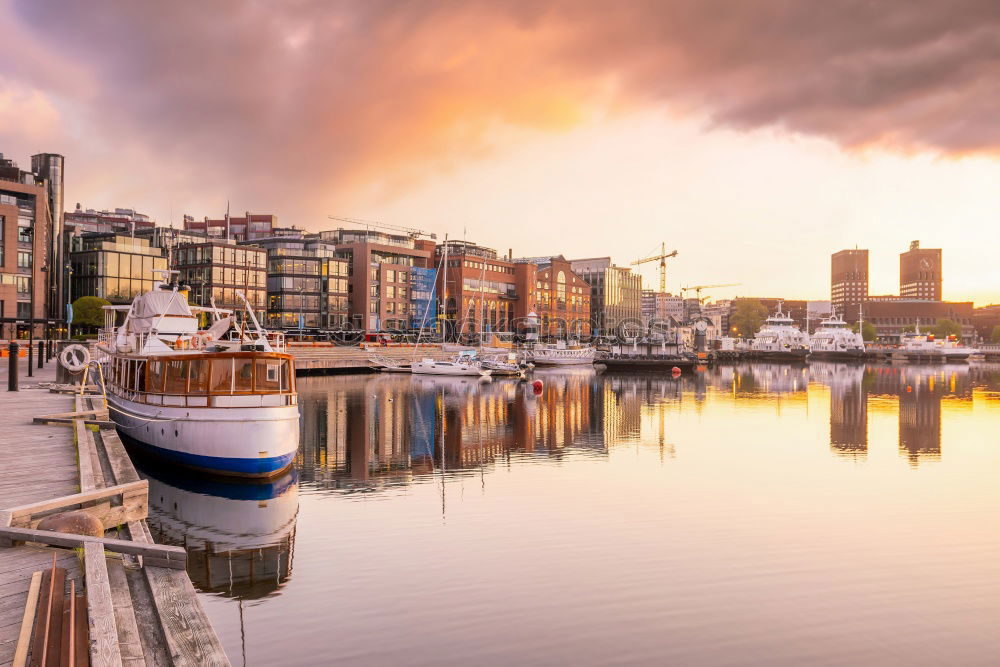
(155, 377)
(176, 377)
(268, 375)
(222, 376)
(140, 375)
(199, 376)
(243, 374)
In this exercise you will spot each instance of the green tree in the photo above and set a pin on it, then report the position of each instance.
(946, 327)
(868, 331)
(748, 316)
(995, 334)
(88, 311)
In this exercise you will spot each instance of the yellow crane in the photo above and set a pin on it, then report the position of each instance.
(698, 288)
(662, 257)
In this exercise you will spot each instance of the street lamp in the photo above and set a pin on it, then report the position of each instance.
(69, 300)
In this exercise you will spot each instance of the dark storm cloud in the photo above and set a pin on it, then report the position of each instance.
(326, 91)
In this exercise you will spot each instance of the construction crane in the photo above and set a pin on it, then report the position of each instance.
(698, 288)
(662, 257)
(412, 232)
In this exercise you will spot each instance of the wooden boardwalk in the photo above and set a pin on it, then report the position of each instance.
(140, 614)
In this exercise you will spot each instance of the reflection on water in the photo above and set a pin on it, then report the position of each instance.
(239, 535)
(614, 518)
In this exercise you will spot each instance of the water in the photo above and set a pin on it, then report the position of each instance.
(760, 514)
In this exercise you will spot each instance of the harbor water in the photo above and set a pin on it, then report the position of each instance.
(750, 514)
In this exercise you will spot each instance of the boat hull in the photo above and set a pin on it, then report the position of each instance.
(646, 365)
(562, 361)
(838, 355)
(779, 355)
(458, 370)
(242, 442)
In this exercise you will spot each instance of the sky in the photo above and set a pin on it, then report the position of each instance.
(754, 137)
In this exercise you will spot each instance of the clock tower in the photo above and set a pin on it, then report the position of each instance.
(920, 273)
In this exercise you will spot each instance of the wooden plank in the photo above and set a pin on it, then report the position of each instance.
(175, 556)
(62, 503)
(129, 642)
(82, 640)
(100, 609)
(83, 456)
(190, 637)
(28, 621)
(53, 643)
(118, 457)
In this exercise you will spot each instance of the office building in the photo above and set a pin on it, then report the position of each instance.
(891, 315)
(848, 282)
(380, 277)
(920, 273)
(215, 271)
(662, 307)
(307, 282)
(113, 267)
(615, 293)
(25, 250)
(118, 221)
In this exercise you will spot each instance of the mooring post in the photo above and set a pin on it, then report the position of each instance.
(31, 358)
(41, 353)
(12, 366)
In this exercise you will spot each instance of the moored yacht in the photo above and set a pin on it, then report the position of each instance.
(779, 338)
(834, 339)
(465, 363)
(221, 399)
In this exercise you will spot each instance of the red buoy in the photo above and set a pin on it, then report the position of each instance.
(537, 386)
(675, 371)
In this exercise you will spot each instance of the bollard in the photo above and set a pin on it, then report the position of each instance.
(31, 358)
(12, 366)
(48, 350)
(41, 353)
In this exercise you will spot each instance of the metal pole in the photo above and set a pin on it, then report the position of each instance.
(12, 352)
(41, 353)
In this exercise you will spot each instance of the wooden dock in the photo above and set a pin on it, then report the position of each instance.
(142, 607)
(354, 359)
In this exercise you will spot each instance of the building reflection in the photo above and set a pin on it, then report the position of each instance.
(848, 406)
(239, 535)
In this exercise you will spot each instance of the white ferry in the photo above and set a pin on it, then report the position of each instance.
(222, 400)
(562, 354)
(915, 346)
(833, 339)
(779, 338)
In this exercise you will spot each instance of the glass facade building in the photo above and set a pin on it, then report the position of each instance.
(114, 267)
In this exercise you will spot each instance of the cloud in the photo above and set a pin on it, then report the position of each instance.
(291, 104)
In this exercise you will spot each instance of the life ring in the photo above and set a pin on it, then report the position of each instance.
(74, 358)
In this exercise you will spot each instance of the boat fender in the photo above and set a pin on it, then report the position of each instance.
(74, 358)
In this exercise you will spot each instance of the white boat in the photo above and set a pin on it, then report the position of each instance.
(916, 346)
(562, 354)
(221, 399)
(955, 351)
(833, 339)
(464, 364)
(779, 338)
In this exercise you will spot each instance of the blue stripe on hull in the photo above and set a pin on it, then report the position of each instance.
(260, 467)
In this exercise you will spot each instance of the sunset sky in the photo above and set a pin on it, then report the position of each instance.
(754, 137)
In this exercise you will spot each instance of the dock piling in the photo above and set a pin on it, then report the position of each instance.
(12, 366)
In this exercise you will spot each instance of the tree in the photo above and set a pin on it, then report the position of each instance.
(868, 331)
(88, 311)
(995, 334)
(946, 327)
(748, 316)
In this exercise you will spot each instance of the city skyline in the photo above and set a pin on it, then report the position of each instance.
(540, 128)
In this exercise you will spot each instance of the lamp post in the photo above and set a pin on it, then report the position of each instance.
(69, 300)
(302, 315)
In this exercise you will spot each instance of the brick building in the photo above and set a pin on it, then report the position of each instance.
(380, 277)
(561, 298)
(892, 314)
(848, 282)
(25, 248)
(920, 273)
(478, 289)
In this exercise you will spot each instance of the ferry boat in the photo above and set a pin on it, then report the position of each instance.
(649, 354)
(780, 339)
(221, 400)
(915, 346)
(833, 339)
(562, 354)
(955, 351)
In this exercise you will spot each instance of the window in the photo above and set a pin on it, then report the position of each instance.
(23, 260)
(155, 377)
(222, 376)
(269, 372)
(199, 376)
(243, 375)
(176, 377)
